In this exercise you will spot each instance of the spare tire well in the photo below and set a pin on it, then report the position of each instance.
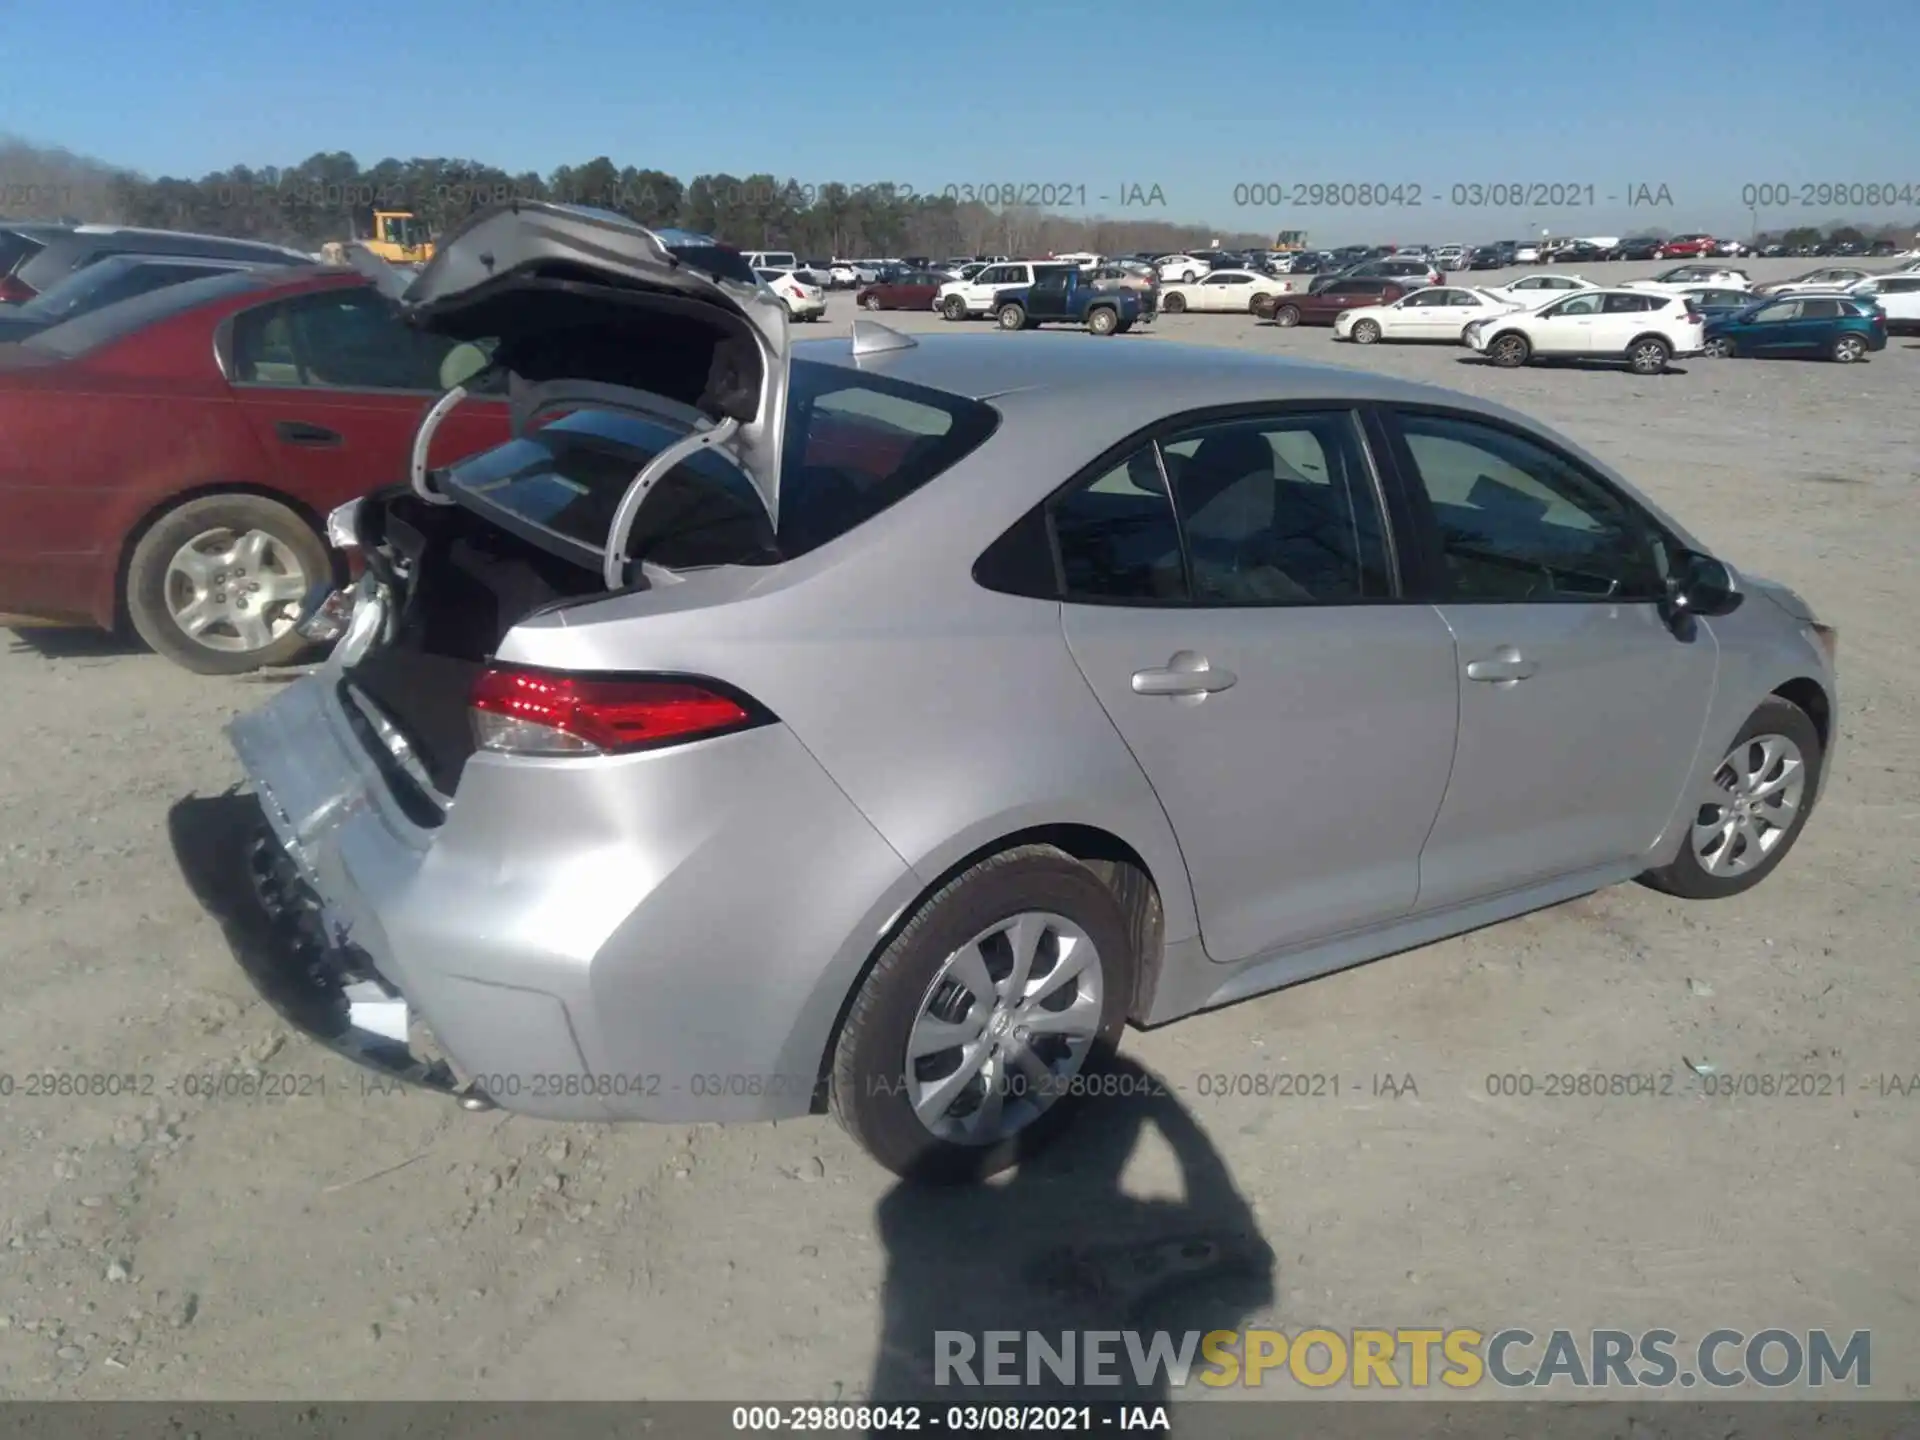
(1118, 866)
(122, 620)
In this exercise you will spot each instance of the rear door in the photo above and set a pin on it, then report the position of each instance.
(1580, 709)
(1814, 330)
(1293, 713)
(334, 385)
(1622, 317)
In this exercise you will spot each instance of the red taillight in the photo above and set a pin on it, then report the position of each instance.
(537, 712)
(15, 291)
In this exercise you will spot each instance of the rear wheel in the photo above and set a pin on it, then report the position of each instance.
(1509, 351)
(1175, 304)
(1287, 316)
(1366, 332)
(218, 584)
(1188, 277)
(1752, 809)
(954, 308)
(1848, 348)
(1103, 320)
(870, 302)
(1649, 356)
(965, 1046)
(1012, 317)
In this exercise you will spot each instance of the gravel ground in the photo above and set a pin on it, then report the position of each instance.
(356, 1244)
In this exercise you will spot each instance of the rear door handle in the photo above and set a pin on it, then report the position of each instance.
(1507, 666)
(1187, 673)
(299, 432)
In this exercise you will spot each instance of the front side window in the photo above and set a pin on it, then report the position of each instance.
(336, 340)
(1578, 305)
(1518, 522)
(1774, 314)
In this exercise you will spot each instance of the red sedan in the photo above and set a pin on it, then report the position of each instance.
(912, 291)
(168, 462)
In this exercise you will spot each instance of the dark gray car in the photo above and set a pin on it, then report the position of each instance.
(63, 253)
(116, 278)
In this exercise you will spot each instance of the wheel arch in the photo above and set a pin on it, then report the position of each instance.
(1651, 335)
(122, 620)
(1115, 862)
(1811, 696)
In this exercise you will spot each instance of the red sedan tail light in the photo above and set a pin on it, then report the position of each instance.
(520, 711)
(15, 291)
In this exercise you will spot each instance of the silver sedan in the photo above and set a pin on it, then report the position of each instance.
(884, 725)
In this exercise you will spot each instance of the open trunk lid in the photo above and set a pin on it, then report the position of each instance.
(579, 300)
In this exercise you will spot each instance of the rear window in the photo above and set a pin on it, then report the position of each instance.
(115, 322)
(856, 445)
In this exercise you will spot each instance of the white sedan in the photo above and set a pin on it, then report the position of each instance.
(1223, 290)
(1185, 269)
(1531, 290)
(1433, 312)
(1685, 277)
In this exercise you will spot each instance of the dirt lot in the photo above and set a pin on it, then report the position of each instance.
(366, 1245)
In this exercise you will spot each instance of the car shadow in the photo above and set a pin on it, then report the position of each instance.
(74, 642)
(1605, 367)
(1057, 1248)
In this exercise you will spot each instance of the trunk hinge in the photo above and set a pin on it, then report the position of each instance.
(423, 439)
(614, 565)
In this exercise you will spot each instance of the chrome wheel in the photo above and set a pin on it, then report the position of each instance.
(1649, 358)
(1849, 348)
(1720, 349)
(1365, 333)
(1510, 351)
(1756, 797)
(1003, 1029)
(235, 591)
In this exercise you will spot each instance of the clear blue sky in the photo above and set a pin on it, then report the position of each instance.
(1604, 93)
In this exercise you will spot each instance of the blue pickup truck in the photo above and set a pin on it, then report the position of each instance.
(1065, 296)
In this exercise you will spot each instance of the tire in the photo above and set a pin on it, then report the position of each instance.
(1175, 305)
(1847, 349)
(1103, 320)
(1685, 876)
(1011, 317)
(1286, 316)
(1509, 351)
(1188, 277)
(869, 302)
(158, 585)
(954, 308)
(1365, 332)
(1649, 355)
(1721, 348)
(871, 1074)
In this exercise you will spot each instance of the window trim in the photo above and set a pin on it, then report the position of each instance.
(1426, 555)
(1040, 515)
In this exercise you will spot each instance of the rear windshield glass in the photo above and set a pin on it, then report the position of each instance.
(15, 249)
(855, 445)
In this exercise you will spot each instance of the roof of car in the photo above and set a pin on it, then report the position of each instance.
(1130, 377)
(114, 322)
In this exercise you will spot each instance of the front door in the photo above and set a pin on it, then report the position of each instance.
(1568, 327)
(1295, 719)
(1580, 709)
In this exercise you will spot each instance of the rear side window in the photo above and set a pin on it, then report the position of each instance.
(856, 445)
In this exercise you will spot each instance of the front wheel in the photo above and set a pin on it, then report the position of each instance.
(1510, 352)
(1287, 316)
(1849, 348)
(1649, 356)
(1103, 320)
(1011, 317)
(869, 302)
(1721, 348)
(979, 1028)
(1751, 809)
(954, 308)
(218, 584)
(1365, 332)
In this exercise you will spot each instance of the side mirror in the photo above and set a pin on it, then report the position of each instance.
(1702, 586)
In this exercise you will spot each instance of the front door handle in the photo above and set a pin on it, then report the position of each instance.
(299, 432)
(1187, 673)
(1506, 666)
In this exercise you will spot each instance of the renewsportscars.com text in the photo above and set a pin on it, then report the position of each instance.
(1412, 1358)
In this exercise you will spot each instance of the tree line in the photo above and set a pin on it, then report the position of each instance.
(332, 196)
